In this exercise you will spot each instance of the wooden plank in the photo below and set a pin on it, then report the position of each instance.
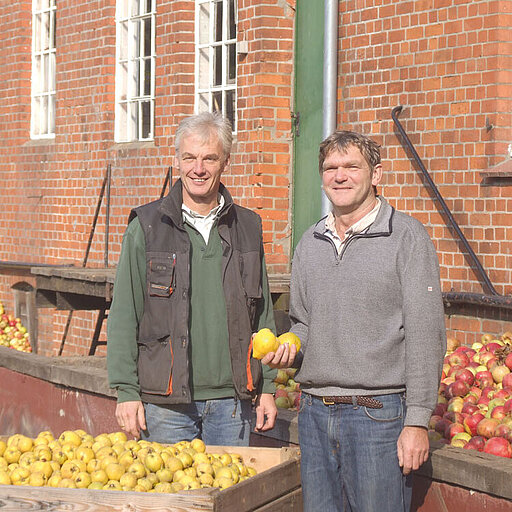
(291, 502)
(275, 483)
(14, 498)
(474, 470)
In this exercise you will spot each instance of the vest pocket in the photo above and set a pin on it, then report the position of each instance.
(155, 365)
(161, 274)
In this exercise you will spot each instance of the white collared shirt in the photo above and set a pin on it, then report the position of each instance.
(203, 223)
(357, 227)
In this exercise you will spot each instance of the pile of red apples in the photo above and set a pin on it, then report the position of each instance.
(474, 406)
(287, 395)
(13, 334)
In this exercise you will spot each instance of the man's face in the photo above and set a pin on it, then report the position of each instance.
(348, 181)
(200, 166)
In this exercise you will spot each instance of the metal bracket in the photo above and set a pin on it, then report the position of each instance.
(296, 123)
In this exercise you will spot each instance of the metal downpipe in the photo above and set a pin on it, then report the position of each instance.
(330, 78)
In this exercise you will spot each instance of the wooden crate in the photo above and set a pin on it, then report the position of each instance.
(276, 488)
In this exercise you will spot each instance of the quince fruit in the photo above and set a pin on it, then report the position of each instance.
(263, 342)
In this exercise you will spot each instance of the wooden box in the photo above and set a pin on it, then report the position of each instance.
(276, 488)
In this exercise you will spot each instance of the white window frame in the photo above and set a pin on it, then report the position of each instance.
(133, 94)
(42, 111)
(206, 91)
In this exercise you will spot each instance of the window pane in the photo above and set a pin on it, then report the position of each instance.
(217, 21)
(217, 101)
(204, 23)
(123, 40)
(146, 120)
(36, 80)
(203, 105)
(204, 70)
(231, 63)
(231, 20)
(147, 37)
(122, 82)
(230, 107)
(37, 33)
(45, 18)
(44, 114)
(217, 65)
(135, 7)
(44, 4)
(44, 72)
(51, 72)
(53, 30)
(148, 6)
(136, 38)
(147, 77)
(51, 114)
(133, 110)
(36, 114)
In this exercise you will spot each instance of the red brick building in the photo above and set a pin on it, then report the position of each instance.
(87, 85)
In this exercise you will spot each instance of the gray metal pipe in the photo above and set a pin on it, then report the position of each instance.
(330, 78)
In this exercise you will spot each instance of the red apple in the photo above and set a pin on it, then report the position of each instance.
(498, 446)
(433, 421)
(454, 417)
(492, 347)
(484, 379)
(498, 372)
(466, 376)
(507, 380)
(440, 409)
(502, 393)
(280, 392)
(452, 429)
(457, 388)
(469, 408)
(475, 443)
(498, 412)
(471, 422)
(508, 406)
(504, 430)
(485, 356)
(442, 425)
(486, 427)
(454, 369)
(458, 358)
(508, 361)
(470, 399)
(455, 404)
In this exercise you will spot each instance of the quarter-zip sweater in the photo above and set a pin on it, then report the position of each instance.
(149, 335)
(371, 318)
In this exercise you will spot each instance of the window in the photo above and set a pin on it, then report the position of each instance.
(42, 124)
(216, 57)
(135, 70)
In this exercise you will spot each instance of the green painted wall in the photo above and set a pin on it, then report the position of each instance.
(307, 198)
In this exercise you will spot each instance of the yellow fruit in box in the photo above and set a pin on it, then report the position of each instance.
(290, 338)
(263, 342)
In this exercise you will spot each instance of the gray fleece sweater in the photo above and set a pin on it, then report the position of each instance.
(371, 320)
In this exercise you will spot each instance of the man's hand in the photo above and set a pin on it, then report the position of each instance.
(283, 357)
(266, 412)
(412, 446)
(131, 417)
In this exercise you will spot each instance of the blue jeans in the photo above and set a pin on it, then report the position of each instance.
(216, 422)
(349, 460)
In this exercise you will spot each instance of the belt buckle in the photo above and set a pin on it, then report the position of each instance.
(326, 401)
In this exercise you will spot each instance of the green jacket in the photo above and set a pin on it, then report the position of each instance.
(148, 327)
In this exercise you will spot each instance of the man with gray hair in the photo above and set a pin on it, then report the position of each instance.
(191, 287)
(365, 299)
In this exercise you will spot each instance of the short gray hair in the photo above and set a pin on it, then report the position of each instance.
(341, 140)
(205, 125)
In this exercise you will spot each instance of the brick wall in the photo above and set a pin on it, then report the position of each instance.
(51, 188)
(448, 63)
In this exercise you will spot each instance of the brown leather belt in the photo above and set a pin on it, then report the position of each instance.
(363, 401)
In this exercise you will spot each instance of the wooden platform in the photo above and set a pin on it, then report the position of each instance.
(92, 288)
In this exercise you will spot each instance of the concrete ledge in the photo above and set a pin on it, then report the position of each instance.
(87, 373)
